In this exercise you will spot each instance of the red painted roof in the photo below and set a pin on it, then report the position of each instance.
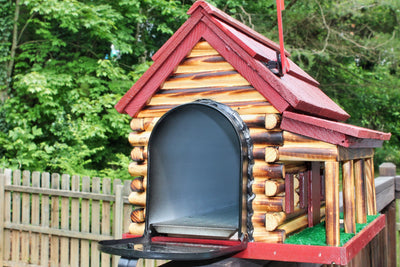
(332, 132)
(243, 48)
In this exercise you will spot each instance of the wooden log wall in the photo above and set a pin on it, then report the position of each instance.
(205, 74)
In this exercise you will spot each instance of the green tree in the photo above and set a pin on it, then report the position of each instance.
(59, 80)
(62, 82)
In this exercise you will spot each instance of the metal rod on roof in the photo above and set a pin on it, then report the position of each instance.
(280, 5)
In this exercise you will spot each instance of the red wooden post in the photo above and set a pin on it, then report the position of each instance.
(289, 193)
(314, 194)
(303, 190)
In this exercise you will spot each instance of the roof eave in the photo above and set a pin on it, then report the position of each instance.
(337, 133)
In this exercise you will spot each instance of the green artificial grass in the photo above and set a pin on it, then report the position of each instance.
(316, 235)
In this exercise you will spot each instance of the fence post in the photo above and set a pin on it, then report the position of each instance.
(2, 178)
(118, 215)
(387, 169)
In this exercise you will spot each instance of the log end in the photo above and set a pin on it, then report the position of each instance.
(136, 228)
(138, 215)
(273, 220)
(272, 121)
(271, 154)
(137, 124)
(136, 198)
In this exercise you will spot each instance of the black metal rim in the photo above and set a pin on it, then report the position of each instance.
(247, 160)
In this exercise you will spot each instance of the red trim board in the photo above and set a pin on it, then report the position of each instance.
(297, 253)
(314, 254)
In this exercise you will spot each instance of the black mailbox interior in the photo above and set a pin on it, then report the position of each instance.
(198, 202)
(195, 174)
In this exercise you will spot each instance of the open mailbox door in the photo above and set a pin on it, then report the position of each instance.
(198, 158)
(171, 248)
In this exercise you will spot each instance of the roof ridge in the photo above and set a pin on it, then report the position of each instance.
(243, 28)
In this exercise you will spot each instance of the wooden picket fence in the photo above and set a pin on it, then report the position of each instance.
(57, 220)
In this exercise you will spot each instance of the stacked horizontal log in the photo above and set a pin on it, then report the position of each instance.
(205, 74)
(139, 139)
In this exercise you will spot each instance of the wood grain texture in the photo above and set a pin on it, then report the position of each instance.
(258, 186)
(105, 219)
(203, 48)
(95, 223)
(303, 189)
(16, 217)
(75, 210)
(314, 194)
(258, 219)
(271, 154)
(139, 153)
(203, 64)
(137, 198)
(35, 219)
(295, 167)
(138, 215)
(139, 138)
(64, 224)
(274, 187)
(143, 124)
(272, 121)
(136, 228)
(45, 218)
(139, 184)
(271, 187)
(333, 132)
(297, 223)
(289, 193)
(85, 223)
(261, 136)
(55, 221)
(261, 169)
(370, 185)
(349, 206)
(361, 194)
(243, 108)
(136, 169)
(7, 215)
(332, 203)
(268, 204)
(25, 218)
(354, 153)
(262, 235)
(273, 220)
(300, 152)
(254, 120)
(223, 95)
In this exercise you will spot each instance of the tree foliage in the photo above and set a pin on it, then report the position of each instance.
(59, 79)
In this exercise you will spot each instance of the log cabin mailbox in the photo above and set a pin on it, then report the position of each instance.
(227, 153)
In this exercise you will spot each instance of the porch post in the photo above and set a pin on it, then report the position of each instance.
(370, 183)
(332, 203)
(349, 208)
(361, 208)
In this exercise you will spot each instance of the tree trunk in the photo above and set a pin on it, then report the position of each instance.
(10, 65)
